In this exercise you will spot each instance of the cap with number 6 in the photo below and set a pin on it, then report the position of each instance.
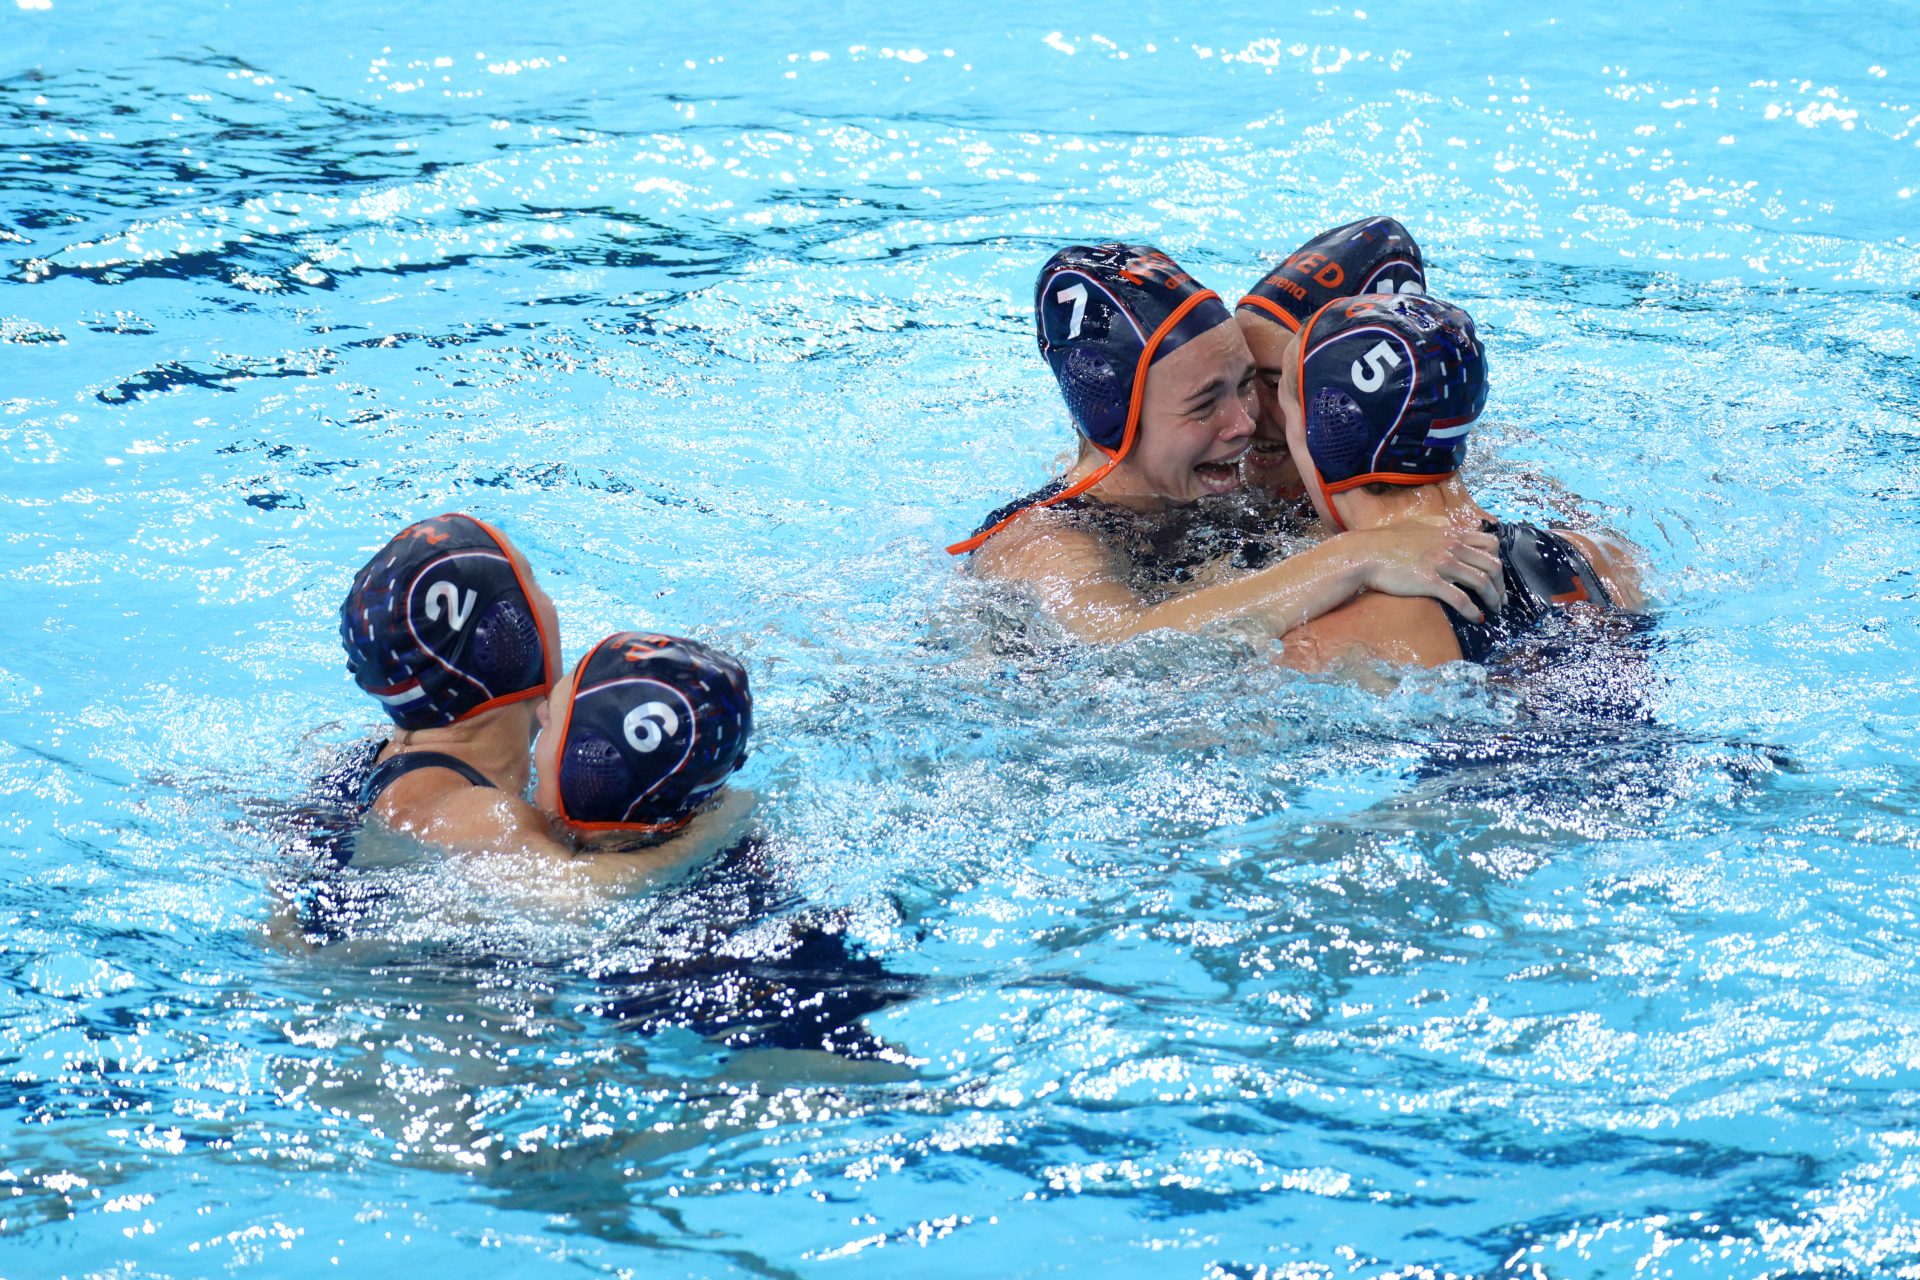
(644, 732)
(1389, 386)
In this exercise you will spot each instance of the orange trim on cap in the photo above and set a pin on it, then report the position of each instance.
(637, 828)
(1385, 477)
(1278, 312)
(979, 540)
(1114, 457)
(566, 728)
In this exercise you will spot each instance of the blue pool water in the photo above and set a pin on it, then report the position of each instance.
(1164, 963)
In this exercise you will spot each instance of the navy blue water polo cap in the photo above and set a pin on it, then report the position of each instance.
(1389, 385)
(440, 626)
(1373, 255)
(655, 725)
(1102, 315)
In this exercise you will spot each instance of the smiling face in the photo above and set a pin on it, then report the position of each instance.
(1270, 465)
(1195, 421)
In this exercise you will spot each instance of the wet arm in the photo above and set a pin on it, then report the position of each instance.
(1402, 630)
(711, 831)
(1427, 560)
(482, 820)
(1081, 581)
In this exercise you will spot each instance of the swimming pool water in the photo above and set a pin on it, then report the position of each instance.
(1166, 963)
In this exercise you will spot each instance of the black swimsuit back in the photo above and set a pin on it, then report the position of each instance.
(1164, 549)
(1543, 571)
(325, 826)
(320, 827)
(393, 768)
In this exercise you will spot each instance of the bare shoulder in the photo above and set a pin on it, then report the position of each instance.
(1405, 630)
(411, 800)
(1616, 561)
(1078, 577)
(1042, 545)
(454, 814)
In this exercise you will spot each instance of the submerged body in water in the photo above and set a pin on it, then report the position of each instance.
(721, 949)
(728, 953)
(1172, 549)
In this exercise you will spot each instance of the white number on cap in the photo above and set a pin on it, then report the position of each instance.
(442, 594)
(1077, 295)
(1380, 358)
(649, 724)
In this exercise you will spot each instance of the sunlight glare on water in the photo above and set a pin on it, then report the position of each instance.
(1150, 960)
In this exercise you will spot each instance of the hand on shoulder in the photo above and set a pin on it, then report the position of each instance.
(1437, 558)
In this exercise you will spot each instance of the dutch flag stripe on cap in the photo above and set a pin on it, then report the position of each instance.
(401, 694)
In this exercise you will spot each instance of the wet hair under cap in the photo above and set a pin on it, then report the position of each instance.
(1372, 255)
(655, 725)
(1389, 386)
(439, 626)
(1102, 315)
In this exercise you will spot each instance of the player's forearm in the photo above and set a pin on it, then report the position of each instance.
(1281, 596)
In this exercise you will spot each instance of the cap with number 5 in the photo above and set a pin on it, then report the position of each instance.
(649, 731)
(1390, 385)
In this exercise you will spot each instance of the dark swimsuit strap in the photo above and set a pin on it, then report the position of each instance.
(393, 768)
(1162, 550)
(1543, 571)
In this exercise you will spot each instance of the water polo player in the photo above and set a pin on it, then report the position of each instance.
(448, 630)
(1371, 255)
(1379, 403)
(637, 743)
(1160, 385)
